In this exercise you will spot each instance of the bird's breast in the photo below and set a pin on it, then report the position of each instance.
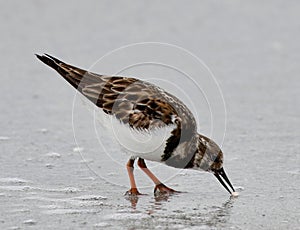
(148, 144)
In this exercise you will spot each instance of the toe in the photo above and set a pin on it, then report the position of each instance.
(133, 192)
(163, 189)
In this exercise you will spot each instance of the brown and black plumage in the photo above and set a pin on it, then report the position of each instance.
(144, 107)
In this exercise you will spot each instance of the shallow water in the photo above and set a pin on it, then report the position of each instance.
(48, 181)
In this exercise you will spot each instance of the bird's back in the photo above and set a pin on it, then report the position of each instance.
(138, 104)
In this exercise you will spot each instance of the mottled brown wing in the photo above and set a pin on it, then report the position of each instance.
(134, 102)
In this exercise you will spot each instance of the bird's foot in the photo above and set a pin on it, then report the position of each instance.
(133, 192)
(161, 189)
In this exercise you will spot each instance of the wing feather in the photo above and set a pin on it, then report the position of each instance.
(130, 100)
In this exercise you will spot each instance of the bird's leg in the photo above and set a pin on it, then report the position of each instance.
(158, 184)
(133, 189)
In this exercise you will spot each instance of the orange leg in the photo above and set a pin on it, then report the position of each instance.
(133, 189)
(158, 185)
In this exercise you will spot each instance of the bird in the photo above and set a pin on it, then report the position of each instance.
(146, 108)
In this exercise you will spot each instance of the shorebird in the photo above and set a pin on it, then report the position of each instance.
(143, 107)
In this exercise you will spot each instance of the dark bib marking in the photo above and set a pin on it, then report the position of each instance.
(178, 136)
(172, 144)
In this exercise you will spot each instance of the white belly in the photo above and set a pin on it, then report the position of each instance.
(148, 145)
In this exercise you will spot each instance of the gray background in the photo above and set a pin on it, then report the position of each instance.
(253, 49)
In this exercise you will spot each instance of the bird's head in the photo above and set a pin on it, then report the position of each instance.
(209, 157)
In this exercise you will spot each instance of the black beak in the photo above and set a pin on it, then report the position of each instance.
(221, 173)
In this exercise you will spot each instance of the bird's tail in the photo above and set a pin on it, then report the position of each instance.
(77, 77)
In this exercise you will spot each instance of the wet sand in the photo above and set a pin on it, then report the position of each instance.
(47, 182)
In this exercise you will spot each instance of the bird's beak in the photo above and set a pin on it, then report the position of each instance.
(221, 173)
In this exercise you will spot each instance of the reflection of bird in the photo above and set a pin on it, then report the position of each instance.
(146, 108)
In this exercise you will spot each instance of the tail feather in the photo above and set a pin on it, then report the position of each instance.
(50, 61)
(75, 76)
